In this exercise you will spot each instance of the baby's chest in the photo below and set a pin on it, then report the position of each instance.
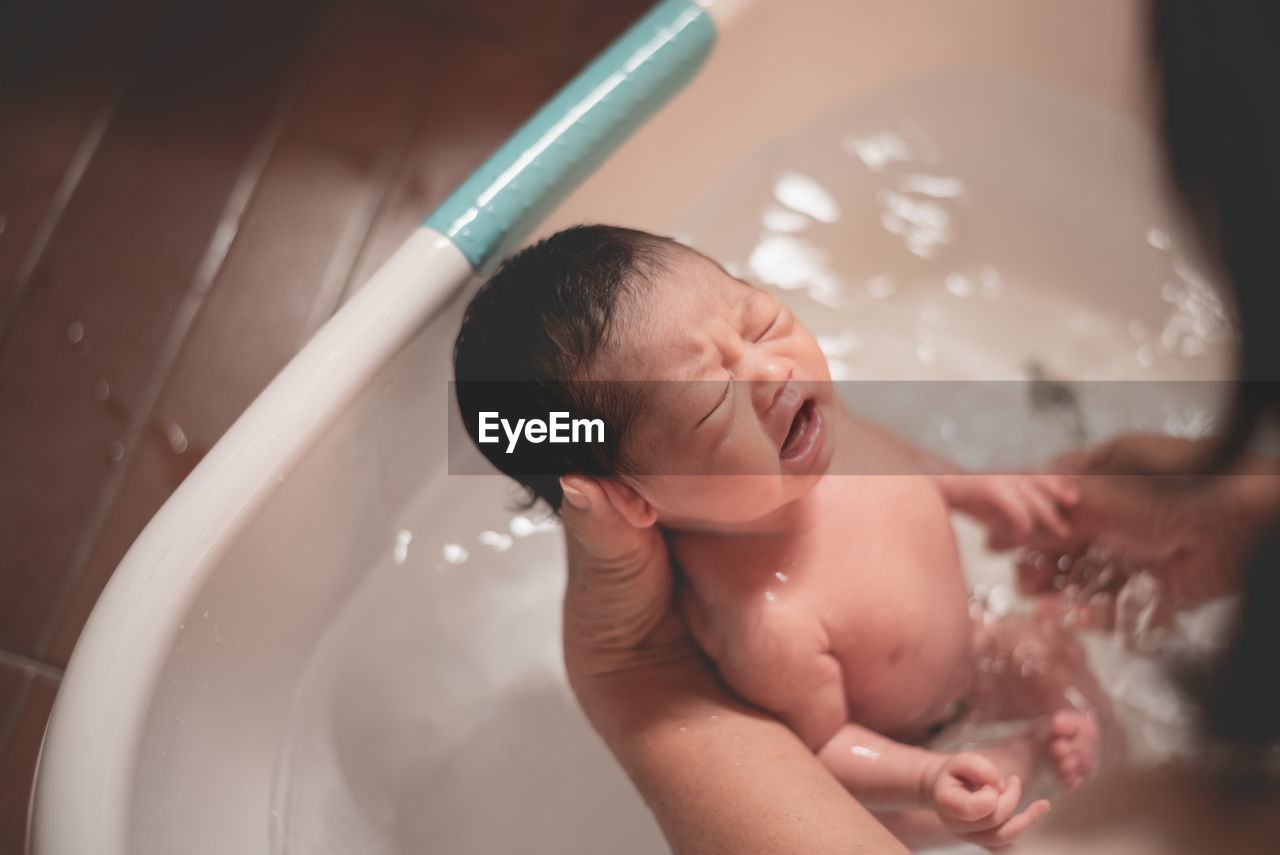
(866, 594)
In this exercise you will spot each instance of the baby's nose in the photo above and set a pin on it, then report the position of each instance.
(767, 377)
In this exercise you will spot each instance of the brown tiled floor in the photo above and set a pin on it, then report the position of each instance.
(136, 137)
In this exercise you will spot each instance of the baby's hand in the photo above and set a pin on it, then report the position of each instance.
(1014, 507)
(976, 804)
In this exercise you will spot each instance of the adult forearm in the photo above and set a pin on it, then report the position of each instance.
(719, 776)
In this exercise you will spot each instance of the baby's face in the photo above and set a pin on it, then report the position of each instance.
(749, 404)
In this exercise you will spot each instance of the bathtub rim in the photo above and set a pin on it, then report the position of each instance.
(120, 654)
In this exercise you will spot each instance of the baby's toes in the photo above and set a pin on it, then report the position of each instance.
(1073, 745)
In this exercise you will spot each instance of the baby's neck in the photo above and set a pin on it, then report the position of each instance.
(794, 517)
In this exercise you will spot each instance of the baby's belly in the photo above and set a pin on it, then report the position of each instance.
(902, 632)
(903, 683)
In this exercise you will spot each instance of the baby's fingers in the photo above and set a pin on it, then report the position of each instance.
(1005, 835)
(1006, 804)
(965, 808)
(969, 791)
(973, 769)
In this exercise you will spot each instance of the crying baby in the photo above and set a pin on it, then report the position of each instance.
(818, 565)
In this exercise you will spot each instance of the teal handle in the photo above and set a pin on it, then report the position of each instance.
(575, 131)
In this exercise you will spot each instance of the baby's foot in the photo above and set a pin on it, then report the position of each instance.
(1073, 746)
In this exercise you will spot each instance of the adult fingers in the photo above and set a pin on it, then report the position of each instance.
(1063, 488)
(1044, 507)
(1010, 499)
(619, 603)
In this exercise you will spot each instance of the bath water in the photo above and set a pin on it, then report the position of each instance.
(990, 266)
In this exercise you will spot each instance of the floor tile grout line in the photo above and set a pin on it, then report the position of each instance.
(71, 179)
(31, 667)
(62, 199)
(210, 264)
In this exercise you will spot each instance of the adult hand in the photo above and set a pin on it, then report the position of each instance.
(1141, 513)
(719, 776)
(620, 610)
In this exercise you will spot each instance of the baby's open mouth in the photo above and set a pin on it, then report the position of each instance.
(799, 437)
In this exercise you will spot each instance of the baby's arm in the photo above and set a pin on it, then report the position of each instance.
(964, 794)
(783, 665)
(1015, 506)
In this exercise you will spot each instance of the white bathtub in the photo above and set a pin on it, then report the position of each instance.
(325, 643)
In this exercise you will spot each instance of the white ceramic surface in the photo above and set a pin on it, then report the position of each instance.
(232, 693)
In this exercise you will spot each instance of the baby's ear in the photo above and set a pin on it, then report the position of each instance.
(634, 507)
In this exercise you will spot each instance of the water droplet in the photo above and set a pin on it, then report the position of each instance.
(880, 287)
(522, 526)
(839, 345)
(959, 285)
(75, 332)
(781, 577)
(1158, 238)
(805, 195)
(937, 186)
(115, 451)
(878, 150)
(496, 539)
(1144, 356)
(1190, 347)
(770, 596)
(455, 553)
(403, 539)
(863, 751)
(177, 438)
(778, 219)
(101, 390)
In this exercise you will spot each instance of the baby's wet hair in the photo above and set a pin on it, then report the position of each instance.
(532, 333)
